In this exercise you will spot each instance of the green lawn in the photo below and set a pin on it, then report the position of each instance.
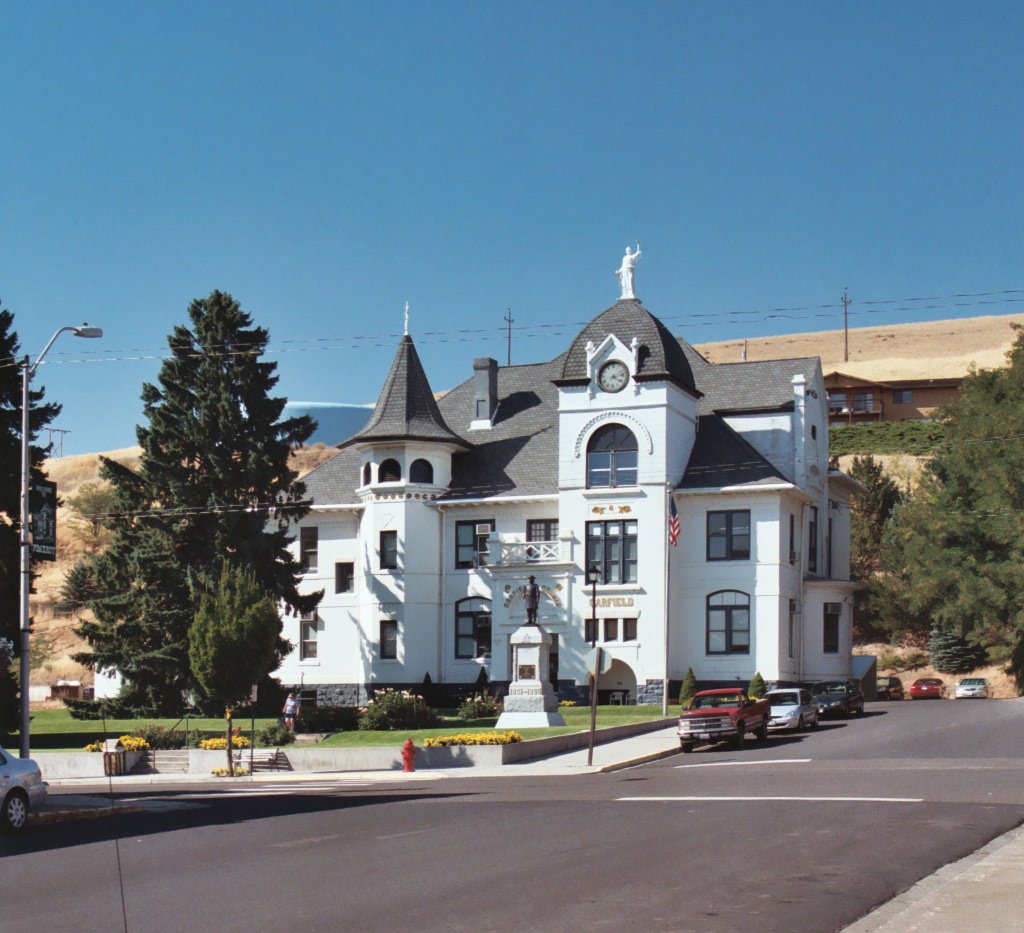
(53, 730)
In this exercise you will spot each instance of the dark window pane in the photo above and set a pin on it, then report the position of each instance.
(629, 629)
(344, 577)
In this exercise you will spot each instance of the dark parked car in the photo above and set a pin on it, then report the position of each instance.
(927, 688)
(838, 698)
(890, 688)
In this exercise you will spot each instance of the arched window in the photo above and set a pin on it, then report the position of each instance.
(421, 471)
(611, 457)
(728, 629)
(389, 472)
(473, 628)
(366, 474)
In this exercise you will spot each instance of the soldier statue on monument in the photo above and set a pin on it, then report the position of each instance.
(531, 594)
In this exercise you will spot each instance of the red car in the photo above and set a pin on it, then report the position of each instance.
(927, 688)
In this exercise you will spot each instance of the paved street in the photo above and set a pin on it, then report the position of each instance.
(805, 834)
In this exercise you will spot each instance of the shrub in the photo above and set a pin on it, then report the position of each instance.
(394, 709)
(758, 688)
(688, 688)
(479, 707)
(224, 772)
(218, 742)
(94, 747)
(132, 743)
(329, 718)
(898, 663)
(274, 736)
(473, 738)
(159, 737)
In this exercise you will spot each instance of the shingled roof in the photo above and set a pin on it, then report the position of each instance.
(761, 385)
(660, 355)
(721, 457)
(518, 455)
(406, 408)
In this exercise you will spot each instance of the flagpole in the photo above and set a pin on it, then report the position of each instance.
(668, 555)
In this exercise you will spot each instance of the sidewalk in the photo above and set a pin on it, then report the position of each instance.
(980, 893)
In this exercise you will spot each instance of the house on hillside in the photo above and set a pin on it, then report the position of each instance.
(427, 523)
(855, 400)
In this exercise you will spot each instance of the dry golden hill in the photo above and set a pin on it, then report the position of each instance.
(929, 350)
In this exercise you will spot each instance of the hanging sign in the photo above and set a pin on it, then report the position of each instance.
(42, 504)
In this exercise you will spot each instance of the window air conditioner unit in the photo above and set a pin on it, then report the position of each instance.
(483, 529)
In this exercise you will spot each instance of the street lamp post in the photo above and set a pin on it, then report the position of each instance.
(593, 576)
(27, 371)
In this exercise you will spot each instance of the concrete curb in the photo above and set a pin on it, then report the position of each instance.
(47, 817)
(642, 760)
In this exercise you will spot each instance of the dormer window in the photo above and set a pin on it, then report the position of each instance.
(611, 457)
(390, 472)
(421, 471)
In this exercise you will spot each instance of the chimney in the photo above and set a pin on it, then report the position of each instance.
(485, 392)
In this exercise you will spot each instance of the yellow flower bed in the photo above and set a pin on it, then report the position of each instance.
(94, 747)
(473, 738)
(218, 743)
(566, 703)
(223, 772)
(132, 743)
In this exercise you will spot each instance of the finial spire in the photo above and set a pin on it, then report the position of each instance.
(407, 319)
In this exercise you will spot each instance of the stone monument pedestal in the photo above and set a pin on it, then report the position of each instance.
(531, 701)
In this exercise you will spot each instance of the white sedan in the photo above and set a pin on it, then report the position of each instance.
(792, 709)
(971, 687)
(22, 789)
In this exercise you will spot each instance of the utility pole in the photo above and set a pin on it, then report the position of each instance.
(846, 327)
(509, 319)
(60, 432)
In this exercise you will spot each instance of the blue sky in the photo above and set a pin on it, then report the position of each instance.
(325, 163)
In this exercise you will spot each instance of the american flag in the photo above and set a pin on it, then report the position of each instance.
(673, 522)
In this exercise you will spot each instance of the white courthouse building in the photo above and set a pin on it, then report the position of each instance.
(427, 523)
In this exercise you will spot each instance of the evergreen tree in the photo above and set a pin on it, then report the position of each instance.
(870, 512)
(235, 639)
(688, 688)
(951, 654)
(76, 589)
(40, 415)
(960, 552)
(213, 486)
(758, 688)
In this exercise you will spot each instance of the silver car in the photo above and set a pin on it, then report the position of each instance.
(792, 708)
(22, 789)
(972, 687)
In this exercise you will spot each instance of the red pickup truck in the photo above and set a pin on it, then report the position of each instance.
(723, 715)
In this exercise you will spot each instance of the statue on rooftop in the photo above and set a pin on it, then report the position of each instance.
(625, 273)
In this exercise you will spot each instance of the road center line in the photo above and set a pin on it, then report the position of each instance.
(696, 798)
(728, 764)
(413, 832)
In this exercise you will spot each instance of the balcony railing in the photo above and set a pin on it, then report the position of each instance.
(528, 552)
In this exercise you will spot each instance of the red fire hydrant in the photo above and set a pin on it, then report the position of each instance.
(408, 753)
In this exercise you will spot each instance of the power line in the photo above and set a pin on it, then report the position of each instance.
(538, 329)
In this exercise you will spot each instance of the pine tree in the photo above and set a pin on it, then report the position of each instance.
(235, 639)
(40, 415)
(213, 476)
(758, 688)
(870, 512)
(688, 688)
(948, 653)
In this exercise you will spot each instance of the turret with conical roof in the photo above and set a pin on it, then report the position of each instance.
(406, 409)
